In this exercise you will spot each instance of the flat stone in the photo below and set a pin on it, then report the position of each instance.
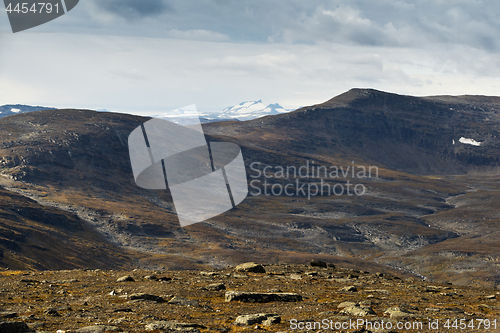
(216, 287)
(95, 329)
(267, 319)
(358, 311)
(349, 289)
(174, 326)
(346, 304)
(126, 278)
(250, 267)
(398, 313)
(147, 297)
(255, 297)
(176, 300)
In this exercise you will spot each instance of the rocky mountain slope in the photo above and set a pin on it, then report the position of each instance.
(421, 212)
(420, 135)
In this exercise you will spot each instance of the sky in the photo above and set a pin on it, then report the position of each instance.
(152, 56)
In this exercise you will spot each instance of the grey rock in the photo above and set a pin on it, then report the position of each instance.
(255, 297)
(148, 297)
(346, 304)
(216, 287)
(126, 278)
(266, 319)
(398, 313)
(96, 329)
(176, 300)
(250, 267)
(174, 326)
(358, 311)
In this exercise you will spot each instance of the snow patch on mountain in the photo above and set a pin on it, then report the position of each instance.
(249, 110)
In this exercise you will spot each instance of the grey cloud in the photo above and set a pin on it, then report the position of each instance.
(385, 23)
(131, 9)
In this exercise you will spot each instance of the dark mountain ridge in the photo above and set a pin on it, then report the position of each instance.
(420, 135)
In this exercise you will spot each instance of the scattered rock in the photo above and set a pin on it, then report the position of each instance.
(295, 277)
(147, 297)
(126, 278)
(95, 329)
(491, 297)
(398, 313)
(255, 297)
(183, 301)
(52, 312)
(432, 309)
(346, 304)
(164, 279)
(216, 287)
(250, 267)
(260, 318)
(318, 263)
(349, 289)
(358, 311)
(174, 326)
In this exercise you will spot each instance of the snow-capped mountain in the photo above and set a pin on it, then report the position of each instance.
(10, 109)
(243, 111)
(248, 110)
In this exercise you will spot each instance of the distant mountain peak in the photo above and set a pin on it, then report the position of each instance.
(11, 109)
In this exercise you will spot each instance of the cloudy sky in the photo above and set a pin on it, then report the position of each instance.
(151, 56)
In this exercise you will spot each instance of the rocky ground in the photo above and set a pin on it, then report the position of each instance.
(246, 298)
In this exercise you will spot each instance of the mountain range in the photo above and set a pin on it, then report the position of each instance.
(429, 209)
(11, 109)
(241, 112)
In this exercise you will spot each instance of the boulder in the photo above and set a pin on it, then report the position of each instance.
(173, 326)
(126, 278)
(216, 287)
(250, 267)
(318, 263)
(358, 311)
(398, 313)
(176, 300)
(266, 319)
(147, 297)
(255, 297)
(95, 329)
